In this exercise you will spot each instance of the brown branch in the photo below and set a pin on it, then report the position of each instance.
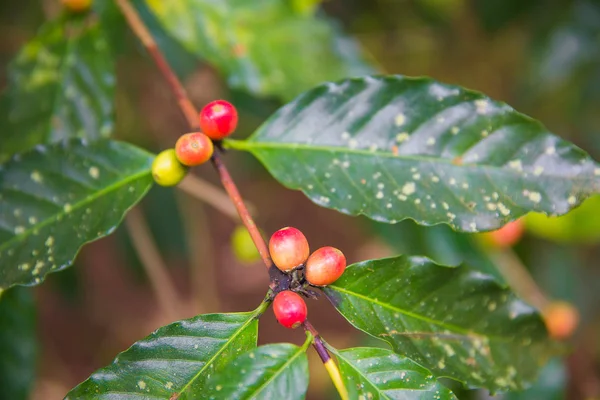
(191, 114)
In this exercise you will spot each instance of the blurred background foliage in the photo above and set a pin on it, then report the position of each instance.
(540, 56)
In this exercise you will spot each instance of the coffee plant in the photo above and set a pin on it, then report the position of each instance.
(352, 139)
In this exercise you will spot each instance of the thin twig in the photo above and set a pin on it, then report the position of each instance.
(210, 194)
(154, 266)
(518, 278)
(191, 114)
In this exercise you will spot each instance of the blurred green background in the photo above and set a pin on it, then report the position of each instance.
(540, 56)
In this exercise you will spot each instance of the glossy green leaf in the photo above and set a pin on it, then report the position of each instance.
(18, 343)
(262, 46)
(174, 361)
(274, 371)
(456, 322)
(60, 85)
(551, 384)
(393, 148)
(378, 374)
(55, 198)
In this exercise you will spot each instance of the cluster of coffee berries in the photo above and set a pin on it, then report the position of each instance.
(218, 120)
(290, 253)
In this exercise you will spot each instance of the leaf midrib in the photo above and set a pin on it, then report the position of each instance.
(468, 334)
(249, 145)
(299, 351)
(87, 200)
(251, 317)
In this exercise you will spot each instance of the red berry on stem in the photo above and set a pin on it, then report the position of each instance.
(290, 309)
(561, 319)
(325, 266)
(218, 119)
(194, 149)
(288, 248)
(507, 236)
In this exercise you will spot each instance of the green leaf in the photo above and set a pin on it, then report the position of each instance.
(262, 46)
(274, 371)
(56, 198)
(551, 384)
(456, 322)
(18, 343)
(60, 85)
(175, 360)
(373, 373)
(393, 148)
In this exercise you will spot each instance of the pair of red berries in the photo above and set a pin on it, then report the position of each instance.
(289, 250)
(218, 120)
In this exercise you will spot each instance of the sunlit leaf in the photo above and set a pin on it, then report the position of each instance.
(174, 361)
(456, 322)
(373, 373)
(18, 343)
(262, 46)
(274, 371)
(393, 148)
(60, 85)
(55, 198)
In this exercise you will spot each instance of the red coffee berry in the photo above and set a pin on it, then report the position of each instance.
(194, 149)
(325, 266)
(561, 319)
(288, 248)
(218, 119)
(507, 236)
(290, 309)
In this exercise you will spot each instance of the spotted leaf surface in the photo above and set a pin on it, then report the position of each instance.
(60, 85)
(274, 371)
(262, 46)
(380, 374)
(55, 198)
(175, 361)
(454, 321)
(393, 148)
(18, 343)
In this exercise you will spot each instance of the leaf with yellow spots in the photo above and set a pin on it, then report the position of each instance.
(56, 198)
(454, 321)
(274, 371)
(392, 148)
(175, 361)
(61, 85)
(264, 47)
(381, 374)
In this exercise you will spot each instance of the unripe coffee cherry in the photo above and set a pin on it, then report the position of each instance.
(194, 149)
(288, 248)
(243, 245)
(561, 319)
(325, 266)
(507, 236)
(218, 119)
(77, 5)
(290, 309)
(167, 170)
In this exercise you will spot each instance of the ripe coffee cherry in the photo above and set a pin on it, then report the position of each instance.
(167, 170)
(325, 266)
(77, 5)
(218, 119)
(561, 319)
(288, 248)
(507, 236)
(194, 149)
(290, 309)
